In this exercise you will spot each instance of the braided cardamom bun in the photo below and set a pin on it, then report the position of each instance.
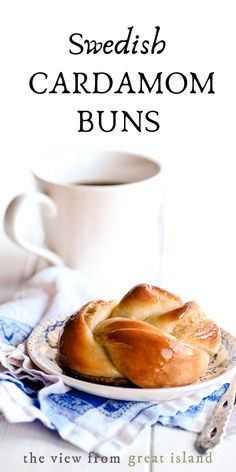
(150, 339)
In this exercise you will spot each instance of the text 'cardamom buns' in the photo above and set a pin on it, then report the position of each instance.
(150, 339)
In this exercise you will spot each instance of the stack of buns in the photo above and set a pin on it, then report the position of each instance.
(149, 339)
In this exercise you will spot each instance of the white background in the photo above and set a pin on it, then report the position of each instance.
(195, 142)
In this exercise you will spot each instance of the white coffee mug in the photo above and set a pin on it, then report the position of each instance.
(100, 214)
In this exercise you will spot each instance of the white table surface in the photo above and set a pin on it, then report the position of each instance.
(18, 440)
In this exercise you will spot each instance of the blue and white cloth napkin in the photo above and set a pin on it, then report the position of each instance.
(90, 422)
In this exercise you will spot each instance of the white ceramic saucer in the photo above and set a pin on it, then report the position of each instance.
(41, 347)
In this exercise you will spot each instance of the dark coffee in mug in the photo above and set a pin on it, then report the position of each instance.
(98, 183)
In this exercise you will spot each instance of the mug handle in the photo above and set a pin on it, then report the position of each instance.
(11, 224)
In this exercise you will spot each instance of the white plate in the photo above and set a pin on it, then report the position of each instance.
(42, 351)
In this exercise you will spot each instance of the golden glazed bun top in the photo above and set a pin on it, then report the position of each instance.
(150, 339)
